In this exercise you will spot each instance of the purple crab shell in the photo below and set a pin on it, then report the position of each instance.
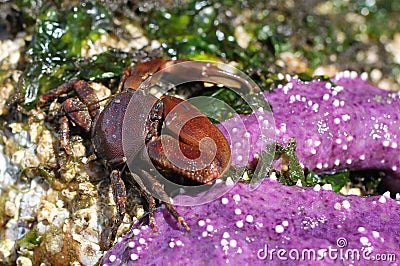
(348, 124)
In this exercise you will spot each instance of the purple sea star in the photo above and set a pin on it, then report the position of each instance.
(350, 124)
(248, 228)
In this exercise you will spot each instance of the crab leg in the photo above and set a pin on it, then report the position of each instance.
(144, 181)
(119, 193)
(84, 91)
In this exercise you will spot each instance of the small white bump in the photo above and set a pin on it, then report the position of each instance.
(315, 107)
(249, 218)
(387, 194)
(394, 168)
(345, 147)
(345, 117)
(325, 97)
(226, 235)
(362, 157)
(171, 244)
(279, 229)
(317, 187)
(142, 241)
(337, 162)
(210, 228)
(338, 141)
(134, 256)
(204, 234)
(336, 103)
(239, 224)
(238, 211)
(112, 258)
(394, 145)
(131, 244)
(224, 201)
(179, 243)
(201, 223)
(317, 143)
(319, 165)
(346, 204)
(349, 161)
(136, 231)
(236, 197)
(385, 143)
(382, 199)
(337, 206)
(233, 243)
(285, 223)
(364, 240)
(247, 135)
(361, 229)
(224, 242)
(313, 151)
(336, 121)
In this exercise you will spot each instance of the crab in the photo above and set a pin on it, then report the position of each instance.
(106, 128)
